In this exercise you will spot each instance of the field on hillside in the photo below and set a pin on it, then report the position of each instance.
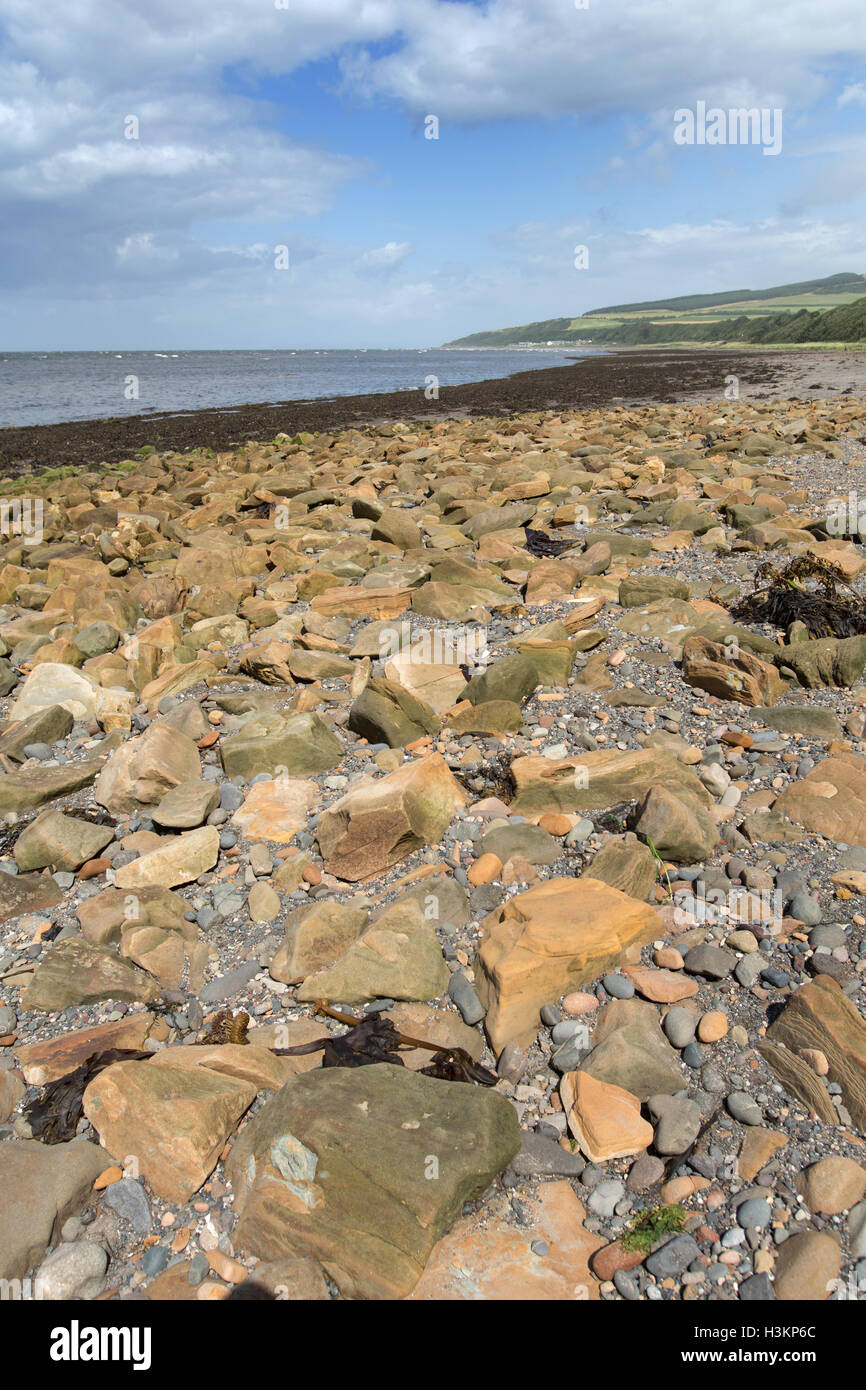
(753, 315)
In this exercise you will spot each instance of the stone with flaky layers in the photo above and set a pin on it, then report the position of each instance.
(366, 1169)
(373, 827)
(830, 800)
(142, 771)
(180, 860)
(488, 1256)
(175, 1119)
(604, 1119)
(362, 603)
(42, 1062)
(819, 1015)
(548, 941)
(599, 779)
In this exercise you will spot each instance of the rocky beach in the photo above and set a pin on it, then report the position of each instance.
(433, 849)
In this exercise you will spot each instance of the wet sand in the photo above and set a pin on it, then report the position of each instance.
(624, 377)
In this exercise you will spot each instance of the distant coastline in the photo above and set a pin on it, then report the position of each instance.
(612, 378)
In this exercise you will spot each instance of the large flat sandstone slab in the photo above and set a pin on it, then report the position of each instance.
(549, 940)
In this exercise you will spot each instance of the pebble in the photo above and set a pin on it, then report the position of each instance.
(465, 997)
(673, 1257)
(754, 1213)
(618, 986)
(742, 1107)
(679, 1027)
(129, 1199)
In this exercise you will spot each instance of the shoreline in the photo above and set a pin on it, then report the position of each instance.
(620, 378)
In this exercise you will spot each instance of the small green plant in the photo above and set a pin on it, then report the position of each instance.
(650, 1225)
(660, 868)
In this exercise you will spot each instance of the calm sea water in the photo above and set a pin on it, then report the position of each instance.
(38, 388)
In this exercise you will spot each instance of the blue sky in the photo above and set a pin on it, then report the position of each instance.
(261, 127)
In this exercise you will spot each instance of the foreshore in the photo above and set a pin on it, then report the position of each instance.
(578, 807)
(628, 376)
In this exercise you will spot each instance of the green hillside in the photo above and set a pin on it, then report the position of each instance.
(826, 310)
(846, 282)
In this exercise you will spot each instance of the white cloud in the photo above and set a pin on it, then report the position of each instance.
(515, 58)
(182, 222)
(856, 93)
(390, 255)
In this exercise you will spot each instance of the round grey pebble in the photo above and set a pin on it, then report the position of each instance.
(463, 992)
(618, 986)
(198, 1268)
(754, 1213)
(155, 1259)
(777, 978)
(605, 1196)
(693, 1055)
(567, 1029)
(129, 1199)
(804, 908)
(679, 1027)
(742, 1107)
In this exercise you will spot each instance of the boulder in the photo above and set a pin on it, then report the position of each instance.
(819, 1015)
(828, 661)
(41, 1186)
(489, 1257)
(140, 772)
(180, 860)
(296, 745)
(625, 864)
(34, 786)
(366, 1169)
(549, 940)
(60, 842)
(604, 1119)
(316, 937)
(174, 1118)
(373, 827)
(675, 825)
(830, 800)
(397, 957)
(630, 1051)
(276, 810)
(729, 673)
(52, 683)
(75, 972)
(597, 780)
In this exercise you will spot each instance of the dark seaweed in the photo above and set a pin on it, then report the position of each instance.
(780, 598)
(538, 543)
(372, 1040)
(53, 1117)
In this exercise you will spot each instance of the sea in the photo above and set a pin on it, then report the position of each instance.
(43, 388)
